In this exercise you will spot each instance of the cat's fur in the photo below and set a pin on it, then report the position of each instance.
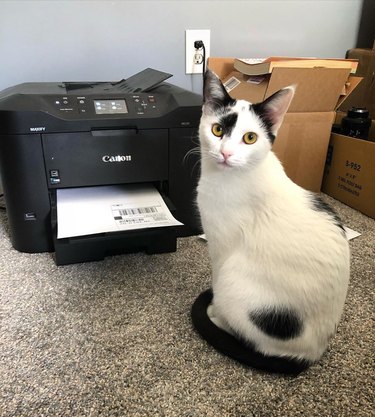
(279, 255)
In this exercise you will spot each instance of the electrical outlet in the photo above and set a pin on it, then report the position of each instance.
(194, 58)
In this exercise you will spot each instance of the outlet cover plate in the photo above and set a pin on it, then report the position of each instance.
(190, 37)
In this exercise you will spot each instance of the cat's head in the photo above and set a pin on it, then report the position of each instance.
(236, 133)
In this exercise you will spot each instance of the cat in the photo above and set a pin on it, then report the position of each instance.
(279, 254)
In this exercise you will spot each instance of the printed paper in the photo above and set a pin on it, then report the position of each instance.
(91, 210)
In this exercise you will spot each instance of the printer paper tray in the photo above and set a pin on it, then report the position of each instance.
(97, 247)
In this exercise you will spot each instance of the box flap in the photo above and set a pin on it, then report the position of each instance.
(301, 145)
(318, 89)
(220, 66)
(364, 94)
(239, 87)
(350, 85)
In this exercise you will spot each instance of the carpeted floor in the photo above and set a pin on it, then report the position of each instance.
(114, 338)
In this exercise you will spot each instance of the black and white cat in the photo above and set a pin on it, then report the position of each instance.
(279, 255)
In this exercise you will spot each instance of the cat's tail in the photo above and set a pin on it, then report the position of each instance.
(235, 348)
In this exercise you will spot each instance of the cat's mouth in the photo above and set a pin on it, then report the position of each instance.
(227, 162)
(220, 160)
(230, 164)
(224, 163)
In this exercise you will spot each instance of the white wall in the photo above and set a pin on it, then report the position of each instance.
(109, 40)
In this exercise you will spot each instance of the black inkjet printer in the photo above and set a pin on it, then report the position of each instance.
(68, 135)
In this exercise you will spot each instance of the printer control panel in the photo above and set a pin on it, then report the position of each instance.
(129, 104)
(143, 103)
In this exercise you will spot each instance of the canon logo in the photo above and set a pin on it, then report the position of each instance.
(117, 158)
(37, 129)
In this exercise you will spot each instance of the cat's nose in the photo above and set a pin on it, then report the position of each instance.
(226, 153)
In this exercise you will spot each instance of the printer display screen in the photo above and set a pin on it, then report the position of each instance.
(110, 106)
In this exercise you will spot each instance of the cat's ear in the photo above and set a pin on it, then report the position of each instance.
(273, 109)
(214, 93)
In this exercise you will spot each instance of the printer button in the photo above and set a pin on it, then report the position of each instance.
(82, 110)
(54, 176)
(29, 216)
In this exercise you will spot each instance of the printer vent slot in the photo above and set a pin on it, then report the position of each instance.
(117, 132)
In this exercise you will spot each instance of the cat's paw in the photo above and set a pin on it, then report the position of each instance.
(212, 316)
(210, 311)
(216, 320)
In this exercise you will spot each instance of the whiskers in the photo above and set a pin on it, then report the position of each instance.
(215, 155)
(237, 162)
(193, 153)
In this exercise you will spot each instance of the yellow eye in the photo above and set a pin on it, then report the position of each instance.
(249, 138)
(217, 130)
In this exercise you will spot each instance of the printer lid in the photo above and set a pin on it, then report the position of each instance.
(143, 81)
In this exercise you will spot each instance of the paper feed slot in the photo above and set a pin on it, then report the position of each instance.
(90, 223)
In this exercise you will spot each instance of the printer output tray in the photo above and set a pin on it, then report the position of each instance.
(96, 247)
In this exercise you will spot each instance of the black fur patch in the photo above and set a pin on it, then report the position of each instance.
(279, 322)
(267, 123)
(319, 205)
(228, 122)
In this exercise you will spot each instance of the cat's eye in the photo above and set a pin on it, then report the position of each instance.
(249, 138)
(217, 130)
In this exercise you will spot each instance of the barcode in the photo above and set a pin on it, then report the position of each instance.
(138, 210)
(231, 83)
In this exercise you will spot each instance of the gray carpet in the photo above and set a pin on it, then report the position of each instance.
(114, 338)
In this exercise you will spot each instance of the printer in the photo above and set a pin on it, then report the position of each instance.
(59, 136)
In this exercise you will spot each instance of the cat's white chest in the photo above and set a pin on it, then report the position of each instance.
(220, 205)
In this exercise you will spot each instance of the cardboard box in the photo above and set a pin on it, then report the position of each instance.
(350, 172)
(302, 141)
